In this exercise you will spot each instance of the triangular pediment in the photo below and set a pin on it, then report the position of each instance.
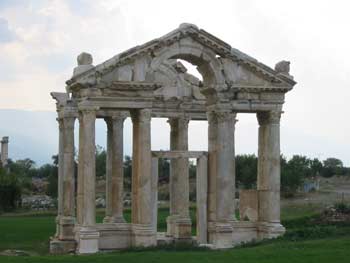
(135, 64)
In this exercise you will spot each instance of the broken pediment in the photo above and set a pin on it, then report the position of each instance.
(227, 73)
(192, 44)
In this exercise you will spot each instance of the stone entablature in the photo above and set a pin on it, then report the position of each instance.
(150, 81)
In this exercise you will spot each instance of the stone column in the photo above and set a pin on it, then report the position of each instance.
(179, 221)
(221, 183)
(60, 175)
(154, 200)
(114, 170)
(67, 219)
(269, 174)
(86, 234)
(4, 150)
(64, 242)
(202, 197)
(141, 214)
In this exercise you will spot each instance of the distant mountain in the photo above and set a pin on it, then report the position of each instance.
(34, 134)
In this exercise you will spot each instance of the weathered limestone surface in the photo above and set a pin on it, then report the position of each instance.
(148, 81)
(248, 205)
(114, 169)
(86, 233)
(202, 198)
(141, 217)
(269, 174)
(67, 219)
(179, 221)
(221, 178)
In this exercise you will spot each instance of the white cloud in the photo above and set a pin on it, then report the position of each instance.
(312, 34)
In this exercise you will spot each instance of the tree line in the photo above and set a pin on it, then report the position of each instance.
(16, 179)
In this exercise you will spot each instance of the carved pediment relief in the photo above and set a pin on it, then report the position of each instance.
(221, 66)
(236, 73)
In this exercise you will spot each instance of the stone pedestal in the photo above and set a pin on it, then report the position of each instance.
(179, 221)
(220, 234)
(142, 207)
(88, 239)
(244, 231)
(143, 235)
(114, 169)
(114, 236)
(270, 230)
(60, 247)
(269, 174)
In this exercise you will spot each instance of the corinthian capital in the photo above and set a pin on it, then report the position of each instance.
(179, 122)
(221, 116)
(269, 117)
(143, 115)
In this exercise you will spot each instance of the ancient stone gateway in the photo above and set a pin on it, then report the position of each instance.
(148, 81)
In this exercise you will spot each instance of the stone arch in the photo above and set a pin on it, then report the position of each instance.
(195, 53)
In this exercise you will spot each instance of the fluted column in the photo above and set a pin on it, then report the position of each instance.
(86, 168)
(86, 234)
(221, 181)
(269, 174)
(114, 169)
(142, 213)
(60, 175)
(67, 219)
(179, 222)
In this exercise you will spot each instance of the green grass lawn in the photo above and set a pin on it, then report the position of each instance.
(304, 242)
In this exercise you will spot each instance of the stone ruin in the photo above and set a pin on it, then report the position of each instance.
(4, 155)
(149, 81)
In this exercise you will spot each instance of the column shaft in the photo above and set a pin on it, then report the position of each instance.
(68, 170)
(60, 175)
(66, 183)
(202, 196)
(154, 200)
(142, 212)
(268, 182)
(179, 222)
(141, 167)
(269, 166)
(179, 168)
(114, 171)
(221, 181)
(86, 169)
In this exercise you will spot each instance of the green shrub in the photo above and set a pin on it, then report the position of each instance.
(10, 191)
(311, 233)
(342, 208)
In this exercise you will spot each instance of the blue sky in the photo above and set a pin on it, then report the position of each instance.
(39, 42)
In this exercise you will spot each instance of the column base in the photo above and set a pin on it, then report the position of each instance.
(244, 231)
(179, 228)
(220, 235)
(270, 230)
(87, 240)
(114, 219)
(143, 235)
(66, 226)
(59, 247)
